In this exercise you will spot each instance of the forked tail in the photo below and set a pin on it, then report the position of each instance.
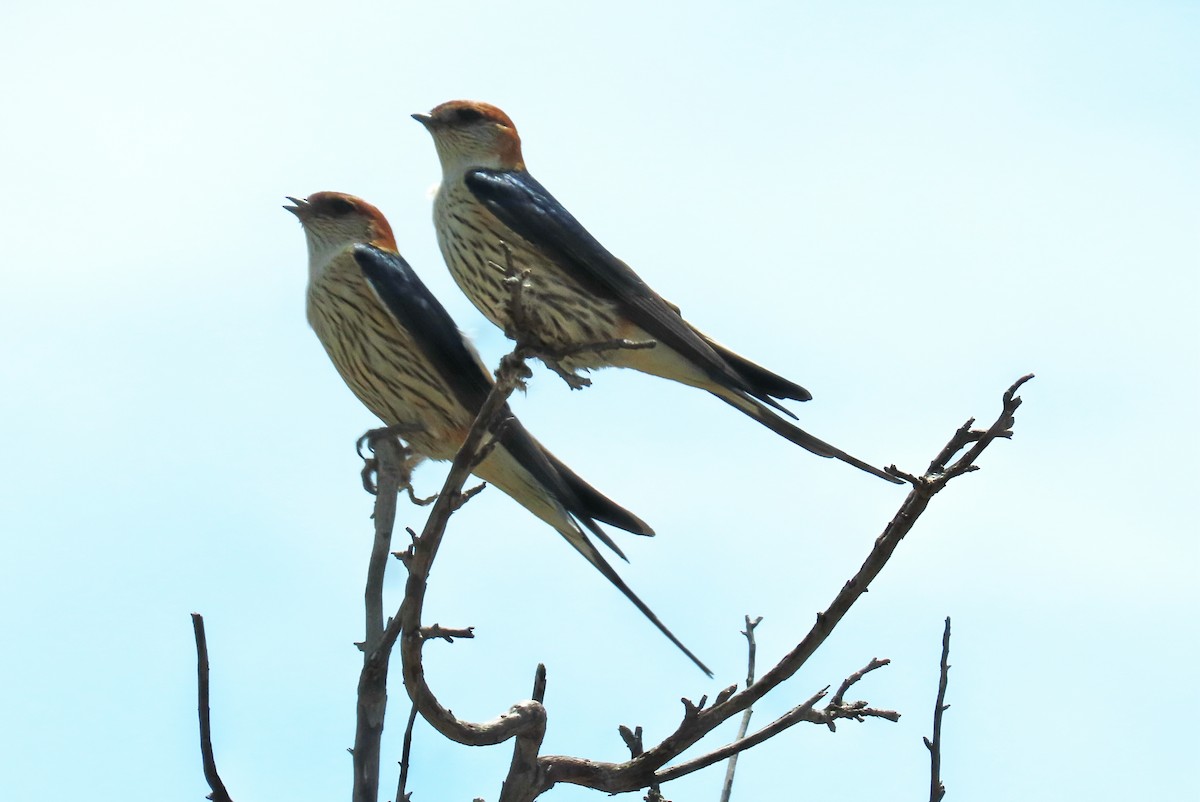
(592, 555)
(798, 436)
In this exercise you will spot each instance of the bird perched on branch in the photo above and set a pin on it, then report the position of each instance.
(399, 351)
(577, 292)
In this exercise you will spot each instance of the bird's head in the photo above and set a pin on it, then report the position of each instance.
(334, 220)
(470, 135)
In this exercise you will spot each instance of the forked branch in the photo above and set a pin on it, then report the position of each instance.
(647, 768)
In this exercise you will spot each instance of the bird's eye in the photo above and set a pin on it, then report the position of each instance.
(468, 115)
(340, 207)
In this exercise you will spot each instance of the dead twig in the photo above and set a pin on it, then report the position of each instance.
(744, 726)
(402, 793)
(446, 634)
(392, 473)
(219, 794)
(937, 789)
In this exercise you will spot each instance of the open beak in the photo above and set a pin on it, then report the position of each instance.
(300, 207)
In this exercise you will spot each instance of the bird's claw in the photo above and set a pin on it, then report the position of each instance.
(417, 500)
(573, 379)
(369, 471)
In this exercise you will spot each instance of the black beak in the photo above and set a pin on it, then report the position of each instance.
(300, 206)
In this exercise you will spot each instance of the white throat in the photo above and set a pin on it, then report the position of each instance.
(321, 253)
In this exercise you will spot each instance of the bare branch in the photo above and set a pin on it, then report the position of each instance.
(744, 727)
(418, 562)
(697, 722)
(377, 646)
(219, 794)
(633, 742)
(802, 712)
(448, 635)
(937, 789)
(632, 739)
(965, 435)
(527, 719)
(392, 467)
(1001, 428)
(836, 701)
(525, 778)
(539, 684)
(856, 676)
(836, 709)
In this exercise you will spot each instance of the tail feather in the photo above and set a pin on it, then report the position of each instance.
(798, 436)
(594, 504)
(584, 546)
(762, 383)
(554, 493)
(566, 487)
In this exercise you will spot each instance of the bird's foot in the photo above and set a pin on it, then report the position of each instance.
(370, 471)
(554, 358)
(513, 369)
(417, 500)
(573, 379)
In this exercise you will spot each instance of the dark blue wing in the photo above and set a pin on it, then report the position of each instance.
(524, 205)
(416, 309)
(429, 324)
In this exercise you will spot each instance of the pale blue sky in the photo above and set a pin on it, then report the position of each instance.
(903, 206)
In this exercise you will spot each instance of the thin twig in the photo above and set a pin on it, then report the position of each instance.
(405, 755)
(855, 677)
(371, 706)
(445, 633)
(805, 711)
(837, 700)
(418, 560)
(539, 684)
(744, 727)
(390, 480)
(633, 742)
(526, 719)
(219, 794)
(937, 789)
